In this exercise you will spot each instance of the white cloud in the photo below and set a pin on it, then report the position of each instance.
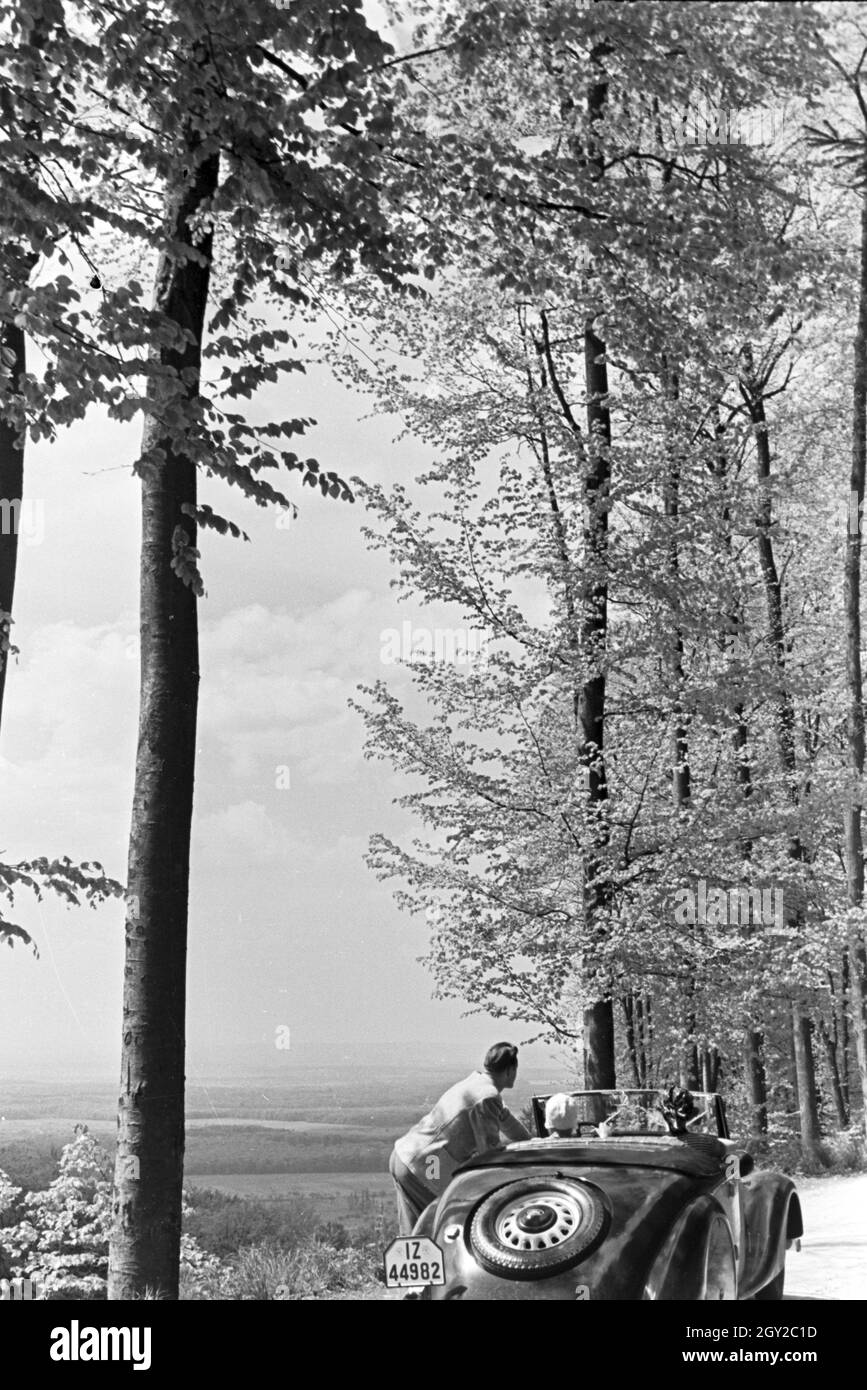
(244, 834)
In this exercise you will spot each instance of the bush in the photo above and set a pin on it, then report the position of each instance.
(223, 1223)
(842, 1152)
(59, 1237)
(314, 1270)
(335, 1234)
(846, 1151)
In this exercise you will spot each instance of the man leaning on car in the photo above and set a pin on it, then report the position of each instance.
(467, 1120)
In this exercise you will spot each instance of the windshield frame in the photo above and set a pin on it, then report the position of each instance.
(709, 1102)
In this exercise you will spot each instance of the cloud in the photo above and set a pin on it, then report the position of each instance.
(244, 834)
(278, 687)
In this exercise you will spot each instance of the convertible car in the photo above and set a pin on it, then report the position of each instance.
(623, 1209)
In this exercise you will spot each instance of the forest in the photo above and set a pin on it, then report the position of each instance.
(607, 263)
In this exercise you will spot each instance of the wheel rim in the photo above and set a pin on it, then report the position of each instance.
(537, 1227)
(530, 1223)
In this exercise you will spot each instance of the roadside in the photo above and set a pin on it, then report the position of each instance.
(832, 1262)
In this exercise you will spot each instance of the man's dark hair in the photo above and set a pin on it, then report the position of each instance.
(501, 1057)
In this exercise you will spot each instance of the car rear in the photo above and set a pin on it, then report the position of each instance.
(563, 1230)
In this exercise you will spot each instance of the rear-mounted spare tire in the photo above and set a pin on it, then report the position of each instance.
(538, 1227)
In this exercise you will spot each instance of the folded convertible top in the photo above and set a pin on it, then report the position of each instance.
(698, 1154)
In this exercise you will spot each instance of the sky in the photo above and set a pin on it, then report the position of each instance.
(298, 956)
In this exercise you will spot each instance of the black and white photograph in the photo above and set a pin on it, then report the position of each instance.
(433, 449)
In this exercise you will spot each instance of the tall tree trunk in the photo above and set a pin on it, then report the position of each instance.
(642, 1019)
(805, 1072)
(681, 781)
(627, 1002)
(598, 1023)
(599, 1066)
(753, 391)
(830, 1048)
(12, 347)
(146, 1209)
(754, 1038)
(709, 1067)
(843, 1027)
(753, 1046)
(648, 1036)
(689, 1068)
(14, 352)
(855, 722)
(754, 1069)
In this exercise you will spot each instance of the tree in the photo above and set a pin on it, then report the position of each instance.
(584, 247)
(848, 152)
(754, 388)
(265, 136)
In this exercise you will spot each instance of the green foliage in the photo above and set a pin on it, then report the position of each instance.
(315, 1270)
(61, 1238)
(704, 276)
(223, 1224)
(73, 883)
(846, 1151)
(297, 104)
(58, 1237)
(108, 116)
(497, 765)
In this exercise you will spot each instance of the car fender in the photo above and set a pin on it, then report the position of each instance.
(676, 1272)
(424, 1226)
(772, 1218)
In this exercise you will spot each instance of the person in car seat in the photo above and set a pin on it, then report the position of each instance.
(561, 1115)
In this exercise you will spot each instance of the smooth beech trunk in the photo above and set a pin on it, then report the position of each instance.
(755, 1074)
(681, 777)
(598, 1031)
(146, 1227)
(14, 349)
(805, 1072)
(753, 392)
(11, 491)
(855, 722)
(843, 1032)
(627, 1002)
(644, 1029)
(757, 1093)
(754, 1038)
(598, 1022)
(829, 1045)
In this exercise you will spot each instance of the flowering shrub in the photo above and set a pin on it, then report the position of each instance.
(59, 1237)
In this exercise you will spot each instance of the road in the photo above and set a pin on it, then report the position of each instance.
(832, 1262)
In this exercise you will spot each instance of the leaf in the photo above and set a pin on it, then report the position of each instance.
(205, 516)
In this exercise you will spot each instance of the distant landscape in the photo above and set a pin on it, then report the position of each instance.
(287, 1182)
(323, 1133)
